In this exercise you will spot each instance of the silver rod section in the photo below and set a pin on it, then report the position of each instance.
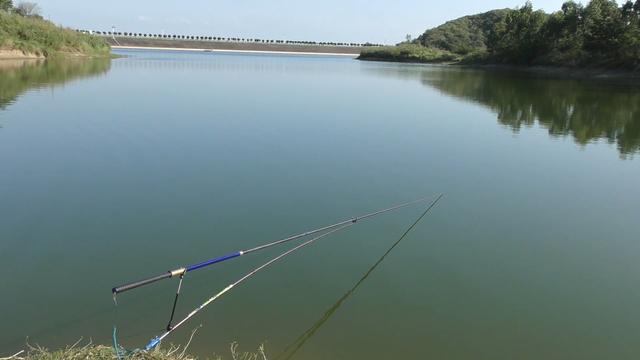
(328, 227)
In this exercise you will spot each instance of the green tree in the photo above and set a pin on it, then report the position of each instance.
(518, 38)
(600, 34)
(603, 29)
(564, 35)
(630, 50)
(6, 5)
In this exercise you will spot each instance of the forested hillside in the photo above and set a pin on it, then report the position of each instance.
(463, 35)
(600, 35)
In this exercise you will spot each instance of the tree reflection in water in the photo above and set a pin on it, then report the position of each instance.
(587, 111)
(19, 76)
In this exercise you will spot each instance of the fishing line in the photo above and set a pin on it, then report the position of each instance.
(293, 348)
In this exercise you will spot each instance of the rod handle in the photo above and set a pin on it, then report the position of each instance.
(147, 281)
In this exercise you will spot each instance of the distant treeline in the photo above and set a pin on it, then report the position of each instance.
(600, 34)
(219, 38)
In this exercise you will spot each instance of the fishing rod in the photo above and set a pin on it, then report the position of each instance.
(180, 272)
(156, 340)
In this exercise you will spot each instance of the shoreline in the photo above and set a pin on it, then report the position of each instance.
(556, 72)
(7, 55)
(122, 47)
(409, 62)
(13, 54)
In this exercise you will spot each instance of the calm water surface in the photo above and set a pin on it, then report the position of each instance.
(115, 170)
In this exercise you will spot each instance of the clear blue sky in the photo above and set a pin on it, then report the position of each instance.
(326, 20)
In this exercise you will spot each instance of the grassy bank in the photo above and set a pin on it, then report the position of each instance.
(95, 353)
(408, 53)
(101, 352)
(35, 36)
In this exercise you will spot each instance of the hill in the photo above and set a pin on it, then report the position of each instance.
(32, 36)
(464, 35)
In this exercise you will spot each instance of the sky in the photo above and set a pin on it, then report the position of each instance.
(377, 21)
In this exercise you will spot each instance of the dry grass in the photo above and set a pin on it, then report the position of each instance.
(89, 351)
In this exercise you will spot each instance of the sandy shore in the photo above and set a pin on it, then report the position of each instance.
(233, 51)
(16, 55)
(9, 64)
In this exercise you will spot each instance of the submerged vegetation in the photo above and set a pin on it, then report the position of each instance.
(600, 34)
(30, 34)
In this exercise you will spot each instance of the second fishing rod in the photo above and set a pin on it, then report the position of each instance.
(180, 272)
(171, 328)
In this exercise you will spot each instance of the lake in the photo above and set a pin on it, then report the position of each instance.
(113, 170)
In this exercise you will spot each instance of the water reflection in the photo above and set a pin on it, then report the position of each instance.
(586, 110)
(231, 63)
(18, 76)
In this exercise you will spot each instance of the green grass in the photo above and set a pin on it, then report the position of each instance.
(408, 53)
(40, 37)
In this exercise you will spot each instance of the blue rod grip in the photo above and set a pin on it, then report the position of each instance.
(152, 344)
(213, 261)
